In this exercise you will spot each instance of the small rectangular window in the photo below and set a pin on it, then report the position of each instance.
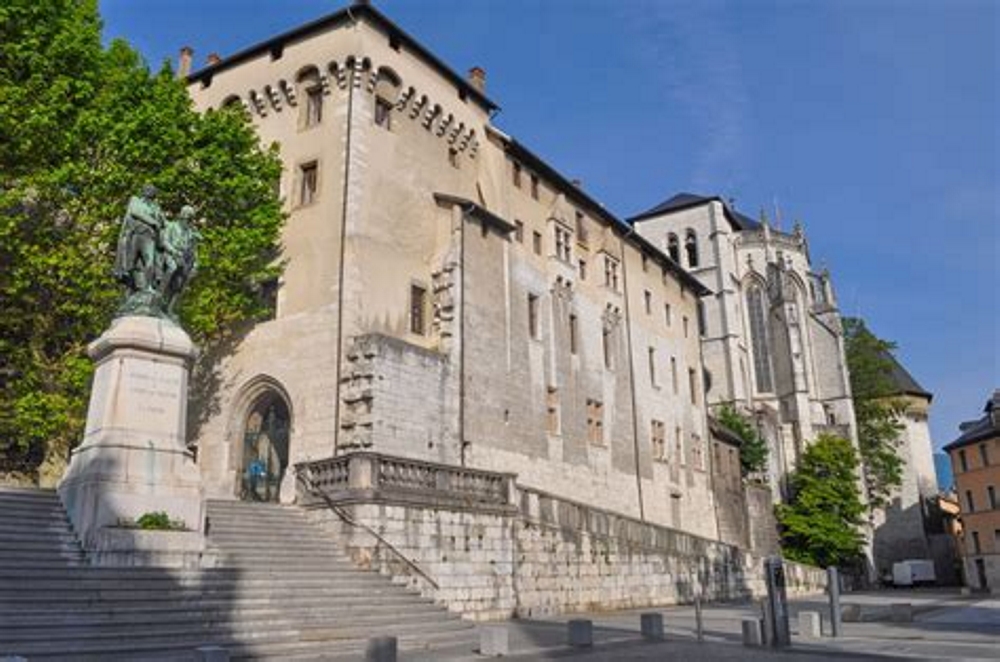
(693, 385)
(962, 460)
(976, 549)
(648, 299)
(657, 434)
(583, 270)
(418, 306)
(673, 373)
(666, 314)
(383, 113)
(519, 231)
(606, 343)
(517, 174)
(563, 241)
(652, 366)
(685, 326)
(595, 422)
(991, 497)
(453, 157)
(314, 105)
(573, 340)
(611, 273)
(969, 502)
(533, 316)
(308, 175)
(702, 321)
(552, 410)
(536, 242)
(534, 186)
(581, 228)
(984, 455)
(645, 263)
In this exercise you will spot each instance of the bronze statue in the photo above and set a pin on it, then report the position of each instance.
(155, 257)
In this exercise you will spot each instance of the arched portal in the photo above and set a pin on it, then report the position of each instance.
(265, 447)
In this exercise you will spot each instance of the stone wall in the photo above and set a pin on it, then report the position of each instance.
(489, 549)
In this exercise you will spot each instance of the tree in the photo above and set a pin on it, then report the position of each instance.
(83, 127)
(876, 410)
(819, 525)
(753, 451)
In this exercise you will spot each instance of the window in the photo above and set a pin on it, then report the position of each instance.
(996, 540)
(581, 228)
(758, 339)
(976, 549)
(693, 385)
(679, 446)
(984, 455)
(563, 239)
(667, 317)
(645, 263)
(595, 422)
(573, 340)
(673, 248)
(453, 157)
(534, 186)
(519, 231)
(418, 306)
(702, 321)
(533, 316)
(648, 298)
(552, 410)
(969, 502)
(691, 248)
(963, 460)
(536, 242)
(608, 349)
(685, 321)
(314, 105)
(697, 454)
(657, 433)
(308, 175)
(583, 270)
(611, 272)
(383, 113)
(517, 175)
(673, 373)
(991, 498)
(652, 366)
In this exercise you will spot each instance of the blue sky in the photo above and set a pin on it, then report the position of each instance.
(873, 122)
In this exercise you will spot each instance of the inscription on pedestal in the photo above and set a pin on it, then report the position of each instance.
(157, 393)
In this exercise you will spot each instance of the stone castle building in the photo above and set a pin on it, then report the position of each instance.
(449, 297)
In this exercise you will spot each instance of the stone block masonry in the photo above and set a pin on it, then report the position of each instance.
(490, 549)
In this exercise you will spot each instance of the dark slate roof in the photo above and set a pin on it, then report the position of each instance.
(904, 382)
(359, 9)
(984, 428)
(688, 200)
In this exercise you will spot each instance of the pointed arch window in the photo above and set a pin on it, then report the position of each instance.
(673, 248)
(759, 339)
(691, 249)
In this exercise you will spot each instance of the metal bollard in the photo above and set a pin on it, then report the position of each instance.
(752, 628)
(651, 625)
(833, 589)
(494, 641)
(381, 649)
(699, 623)
(580, 633)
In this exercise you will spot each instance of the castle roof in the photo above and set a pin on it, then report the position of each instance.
(903, 381)
(683, 201)
(359, 10)
(984, 428)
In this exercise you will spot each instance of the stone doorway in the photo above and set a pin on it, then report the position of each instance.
(265, 448)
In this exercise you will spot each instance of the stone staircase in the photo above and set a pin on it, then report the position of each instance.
(282, 591)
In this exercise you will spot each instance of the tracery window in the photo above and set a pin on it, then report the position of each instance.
(759, 339)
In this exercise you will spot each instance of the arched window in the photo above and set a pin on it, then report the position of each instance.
(673, 248)
(387, 87)
(311, 91)
(265, 447)
(691, 248)
(759, 339)
(232, 101)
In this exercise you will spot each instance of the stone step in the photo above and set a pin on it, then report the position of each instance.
(27, 526)
(10, 493)
(346, 580)
(122, 597)
(38, 545)
(34, 535)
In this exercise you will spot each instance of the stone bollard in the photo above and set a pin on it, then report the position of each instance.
(580, 632)
(381, 649)
(810, 624)
(850, 613)
(651, 625)
(494, 641)
(753, 632)
(902, 612)
(211, 654)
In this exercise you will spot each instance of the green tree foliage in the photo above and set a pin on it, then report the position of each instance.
(819, 525)
(753, 451)
(83, 127)
(876, 410)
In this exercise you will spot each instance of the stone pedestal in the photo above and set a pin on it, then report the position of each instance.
(133, 458)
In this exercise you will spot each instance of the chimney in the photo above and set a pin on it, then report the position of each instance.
(477, 78)
(213, 59)
(184, 61)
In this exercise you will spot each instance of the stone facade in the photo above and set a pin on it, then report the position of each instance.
(449, 296)
(771, 331)
(516, 551)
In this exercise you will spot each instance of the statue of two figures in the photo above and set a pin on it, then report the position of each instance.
(156, 256)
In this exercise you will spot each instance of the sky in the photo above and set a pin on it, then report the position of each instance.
(873, 122)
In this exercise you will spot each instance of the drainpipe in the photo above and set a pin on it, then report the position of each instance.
(631, 378)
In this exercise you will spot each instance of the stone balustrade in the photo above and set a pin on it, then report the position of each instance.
(364, 477)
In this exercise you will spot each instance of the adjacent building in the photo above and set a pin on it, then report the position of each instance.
(975, 460)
